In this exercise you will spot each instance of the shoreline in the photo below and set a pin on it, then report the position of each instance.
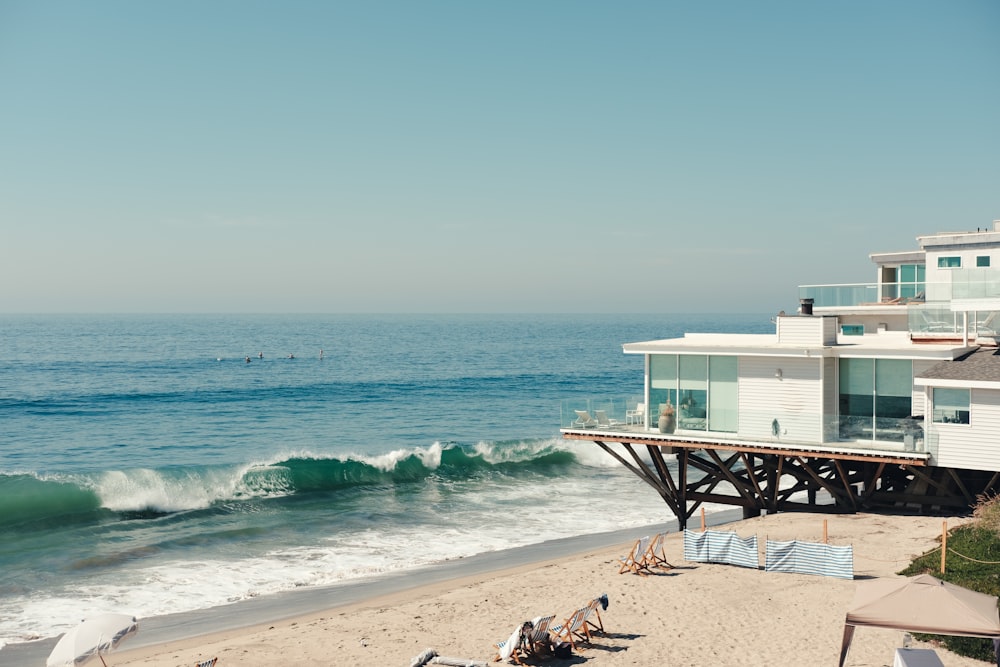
(695, 614)
(259, 611)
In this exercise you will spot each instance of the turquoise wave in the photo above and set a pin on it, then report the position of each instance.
(36, 502)
(26, 499)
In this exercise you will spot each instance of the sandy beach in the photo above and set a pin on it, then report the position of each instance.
(695, 614)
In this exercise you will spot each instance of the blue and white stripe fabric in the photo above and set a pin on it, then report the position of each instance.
(713, 546)
(810, 558)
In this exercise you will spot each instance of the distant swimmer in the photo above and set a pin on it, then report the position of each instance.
(260, 355)
(321, 354)
(248, 360)
(291, 356)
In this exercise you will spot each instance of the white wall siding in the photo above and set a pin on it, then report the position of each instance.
(807, 331)
(795, 400)
(917, 395)
(831, 327)
(975, 445)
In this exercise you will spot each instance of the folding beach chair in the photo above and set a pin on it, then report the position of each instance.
(594, 609)
(573, 629)
(207, 663)
(656, 555)
(635, 560)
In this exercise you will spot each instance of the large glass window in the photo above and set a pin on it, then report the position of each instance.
(875, 398)
(949, 262)
(951, 406)
(662, 384)
(911, 281)
(723, 398)
(693, 412)
(893, 397)
(702, 389)
(857, 398)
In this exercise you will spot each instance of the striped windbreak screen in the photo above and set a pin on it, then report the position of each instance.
(713, 546)
(825, 560)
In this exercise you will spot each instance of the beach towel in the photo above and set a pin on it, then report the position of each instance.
(508, 646)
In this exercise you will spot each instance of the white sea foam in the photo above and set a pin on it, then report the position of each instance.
(501, 515)
(143, 489)
(430, 457)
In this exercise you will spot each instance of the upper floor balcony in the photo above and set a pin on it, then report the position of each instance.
(965, 284)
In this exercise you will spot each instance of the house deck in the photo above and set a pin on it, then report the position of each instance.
(886, 452)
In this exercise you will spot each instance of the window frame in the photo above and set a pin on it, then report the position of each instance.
(959, 416)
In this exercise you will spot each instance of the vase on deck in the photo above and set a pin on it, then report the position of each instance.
(666, 424)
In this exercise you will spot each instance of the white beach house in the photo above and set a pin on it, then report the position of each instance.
(884, 393)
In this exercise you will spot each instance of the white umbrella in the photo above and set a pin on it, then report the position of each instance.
(95, 636)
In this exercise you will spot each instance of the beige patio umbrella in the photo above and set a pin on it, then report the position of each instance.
(920, 604)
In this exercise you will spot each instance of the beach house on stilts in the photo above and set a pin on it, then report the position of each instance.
(877, 395)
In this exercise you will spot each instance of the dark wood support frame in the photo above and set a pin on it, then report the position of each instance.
(767, 478)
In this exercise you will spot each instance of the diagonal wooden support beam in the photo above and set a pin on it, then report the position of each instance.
(656, 455)
(871, 483)
(640, 471)
(727, 472)
(993, 480)
(958, 482)
(926, 478)
(848, 489)
(804, 465)
(762, 500)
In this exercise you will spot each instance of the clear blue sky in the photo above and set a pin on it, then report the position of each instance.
(457, 156)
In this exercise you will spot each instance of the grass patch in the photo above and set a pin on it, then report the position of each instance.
(977, 568)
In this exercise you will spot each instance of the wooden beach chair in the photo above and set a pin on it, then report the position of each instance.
(634, 562)
(573, 629)
(656, 555)
(594, 609)
(527, 639)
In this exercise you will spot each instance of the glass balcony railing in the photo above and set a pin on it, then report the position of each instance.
(965, 284)
(627, 415)
(937, 318)
(605, 412)
(840, 296)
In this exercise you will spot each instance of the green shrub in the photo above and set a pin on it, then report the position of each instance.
(977, 569)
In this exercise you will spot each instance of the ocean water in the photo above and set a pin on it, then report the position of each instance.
(146, 467)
